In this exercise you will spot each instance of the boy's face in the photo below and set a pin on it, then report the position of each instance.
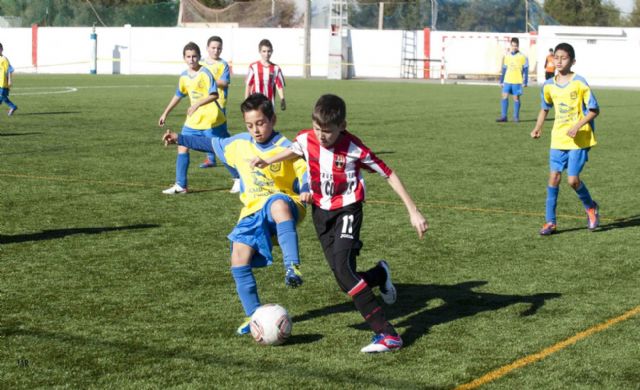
(265, 53)
(514, 47)
(562, 61)
(328, 135)
(191, 58)
(259, 125)
(214, 49)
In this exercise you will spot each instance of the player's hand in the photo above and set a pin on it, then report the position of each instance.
(258, 162)
(535, 133)
(191, 110)
(419, 222)
(162, 120)
(169, 137)
(306, 197)
(573, 131)
(283, 105)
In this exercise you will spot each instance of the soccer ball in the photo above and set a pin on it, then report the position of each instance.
(270, 325)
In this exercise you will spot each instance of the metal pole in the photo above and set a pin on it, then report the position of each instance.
(434, 14)
(380, 15)
(526, 16)
(306, 67)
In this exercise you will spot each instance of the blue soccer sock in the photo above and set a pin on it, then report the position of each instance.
(585, 196)
(504, 103)
(288, 240)
(211, 157)
(247, 288)
(516, 110)
(552, 202)
(232, 171)
(182, 165)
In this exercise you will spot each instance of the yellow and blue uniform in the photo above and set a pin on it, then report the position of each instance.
(515, 74)
(197, 87)
(572, 102)
(259, 189)
(220, 71)
(5, 70)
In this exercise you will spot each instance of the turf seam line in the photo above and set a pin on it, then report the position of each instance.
(504, 370)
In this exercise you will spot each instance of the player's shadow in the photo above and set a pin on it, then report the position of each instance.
(61, 233)
(18, 134)
(620, 223)
(455, 302)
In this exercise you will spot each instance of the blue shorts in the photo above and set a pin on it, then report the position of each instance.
(4, 92)
(257, 229)
(219, 131)
(512, 89)
(572, 160)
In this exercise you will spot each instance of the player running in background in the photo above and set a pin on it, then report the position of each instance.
(273, 199)
(515, 75)
(572, 135)
(334, 158)
(220, 71)
(265, 77)
(5, 82)
(204, 116)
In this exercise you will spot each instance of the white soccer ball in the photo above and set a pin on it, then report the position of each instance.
(270, 325)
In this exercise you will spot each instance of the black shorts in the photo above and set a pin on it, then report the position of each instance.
(338, 230)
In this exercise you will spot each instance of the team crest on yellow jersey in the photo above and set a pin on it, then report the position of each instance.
(574, 95)
(275, 167)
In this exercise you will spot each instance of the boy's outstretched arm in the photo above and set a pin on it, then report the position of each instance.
(418, 221)
(586, 119)
(286, 154)
(537, 130)
(201, 102)
(172, 104)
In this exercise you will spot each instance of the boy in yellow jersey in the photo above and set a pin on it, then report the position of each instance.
(5, 82)
(220, 71)
(572, 136)
(515, 75)
(272, 197)
(204, 116)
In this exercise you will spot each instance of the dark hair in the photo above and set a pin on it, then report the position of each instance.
(259, 102)
(1, 46)
(191, 46)
(515, 40)
(329, 110)
(265, 42)
(214, 38)
(551, 49)
(567, 48)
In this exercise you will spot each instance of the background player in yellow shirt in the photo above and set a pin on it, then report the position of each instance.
(5, 82)
(515, 75)
(272, 197)
(572, 136)
(204, 116)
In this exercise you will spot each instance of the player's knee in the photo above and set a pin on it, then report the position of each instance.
(554, 179)
(280, 211)
(574, 182)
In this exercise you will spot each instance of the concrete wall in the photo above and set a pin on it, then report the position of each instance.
(605, 56)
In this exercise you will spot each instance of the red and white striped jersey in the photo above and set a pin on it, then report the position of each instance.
(334, 173)
(264, 79)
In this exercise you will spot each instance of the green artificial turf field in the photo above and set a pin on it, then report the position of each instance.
(107, 283)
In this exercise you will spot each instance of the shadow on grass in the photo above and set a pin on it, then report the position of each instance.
(18, 134)
(50, 113)
(458, 301)
(621, 223)
(61, 233)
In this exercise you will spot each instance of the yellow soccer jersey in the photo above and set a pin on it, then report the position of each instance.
(287, 177)
(516, 66)
(5, 69)
(572, 102)
(198, 87)
(220, 71)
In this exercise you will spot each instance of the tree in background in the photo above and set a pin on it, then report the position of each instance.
(634, 17)
(583, 12)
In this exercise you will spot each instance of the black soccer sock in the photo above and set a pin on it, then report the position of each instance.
(370, 310)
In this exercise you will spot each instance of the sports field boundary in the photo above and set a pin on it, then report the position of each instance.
(525, 361)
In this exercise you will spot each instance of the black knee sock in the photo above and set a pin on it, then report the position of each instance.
(372, 312)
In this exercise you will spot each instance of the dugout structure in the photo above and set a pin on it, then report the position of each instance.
(478, 56)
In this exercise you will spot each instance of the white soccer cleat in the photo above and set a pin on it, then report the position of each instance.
(387, 289)
(236, 186)
(383, 343)
(175, 190)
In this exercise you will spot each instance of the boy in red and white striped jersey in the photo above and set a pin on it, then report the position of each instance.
(334, 158)
(265, 77)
